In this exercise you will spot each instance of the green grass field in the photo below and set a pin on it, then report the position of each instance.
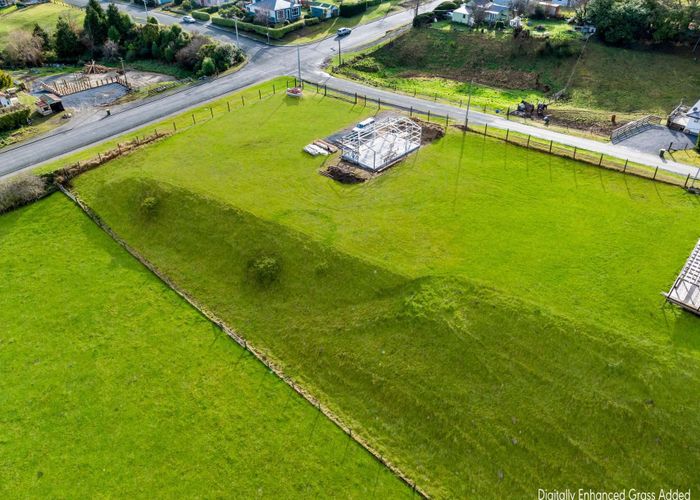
(488, 317)
(442, 60)
(112, 386)
(45, 15)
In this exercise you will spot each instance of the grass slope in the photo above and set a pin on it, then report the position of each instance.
(608, 79)
(45, 15)
(487, 315)
(110, 385)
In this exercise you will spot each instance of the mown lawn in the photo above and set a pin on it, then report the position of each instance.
(488, 317)
(45, 15)
(441, 61)
(112, 386)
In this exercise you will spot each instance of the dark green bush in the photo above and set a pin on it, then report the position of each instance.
(200, 16)
(311, 21)
(445, 6)
(350, 9)
(265, 270)
(275, 33)
(423, 19)
(149, 205)
(14, 119)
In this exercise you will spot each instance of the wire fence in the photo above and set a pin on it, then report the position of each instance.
(524, 140)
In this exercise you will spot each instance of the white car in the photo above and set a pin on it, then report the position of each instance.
(189, 19)
(344, 31)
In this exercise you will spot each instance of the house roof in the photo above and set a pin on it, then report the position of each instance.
(50, 98)
(272, 4)
(461, 10)
(694, 112)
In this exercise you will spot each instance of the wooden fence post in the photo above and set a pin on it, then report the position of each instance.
(211, 112)
(174, 127)
(685, 184)
(243, 100)
(575, 150)
(379, 103)
(428, 116)
(528, 141)
(260, 94)
(551, 143)
(447, 122)
(193, 119)
(325, 90)
(274, 90)
(410, 113)
(228, 105)
(355, 98)
(507, 134)
(655, 172)
(486, 128)
(625, 168)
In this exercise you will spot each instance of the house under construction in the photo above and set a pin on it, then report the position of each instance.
(685, 291)
(376, 145)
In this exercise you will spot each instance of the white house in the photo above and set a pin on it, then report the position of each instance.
(693, 115)
(462, 15)
(7, 100)
(276, 11)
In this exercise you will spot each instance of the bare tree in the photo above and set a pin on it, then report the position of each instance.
(110, 49)
(24, 49)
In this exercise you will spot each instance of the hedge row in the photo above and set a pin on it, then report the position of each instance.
(275, 33)
(14, 119)
(200, 16)
(351, 9)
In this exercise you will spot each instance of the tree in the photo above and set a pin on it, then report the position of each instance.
(43, 35)
(222, 55)
(24, 49)
(5, 80)
(113, 34)
(67, 42)
(208, 66)
(95, 23)
(188, 56)
(110, 49)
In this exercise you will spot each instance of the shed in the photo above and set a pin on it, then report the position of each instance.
(551, 9)
(323, 10)
(693, 116)
(49, 103)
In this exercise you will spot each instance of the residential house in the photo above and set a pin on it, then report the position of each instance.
(323, 10)
(462, 15)
(693, 115)
(6, 3)
(7, 100)
(276, 11)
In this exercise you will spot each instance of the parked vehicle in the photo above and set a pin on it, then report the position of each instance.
(344, 31)
(188, 20)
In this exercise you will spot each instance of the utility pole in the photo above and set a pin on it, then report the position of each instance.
(340, 54)
(417, 5)
(121, 59)
(145, 6)
(235, 21)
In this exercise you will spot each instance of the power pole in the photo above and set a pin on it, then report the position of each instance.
(340, 54)
(417, 5)
(469, 101)
(299, 65)
(238, 43)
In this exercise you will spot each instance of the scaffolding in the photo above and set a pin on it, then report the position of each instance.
(381, 144)
(685, 291)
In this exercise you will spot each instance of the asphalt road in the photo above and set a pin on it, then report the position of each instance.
(265, 62)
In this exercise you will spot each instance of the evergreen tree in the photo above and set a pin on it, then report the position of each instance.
(5, 80)
(95, 23)
(41, 33)
(66, 40)
(113, 34)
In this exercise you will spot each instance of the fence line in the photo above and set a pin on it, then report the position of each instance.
(257, 353)
(592, 158)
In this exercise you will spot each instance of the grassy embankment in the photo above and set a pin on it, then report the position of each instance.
(488, 317)
(45, 15)
(442, 60)
(112, 386)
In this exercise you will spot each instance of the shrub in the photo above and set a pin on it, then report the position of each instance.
(350, 9)
(423, 19)
(265, 270)
(368, 65)
(275, 33)
(445, 6)
(14, 119)
(5, 80)
(208, 66)
(20, 190)
(200, 16)
(149, 205)
(310, 21)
